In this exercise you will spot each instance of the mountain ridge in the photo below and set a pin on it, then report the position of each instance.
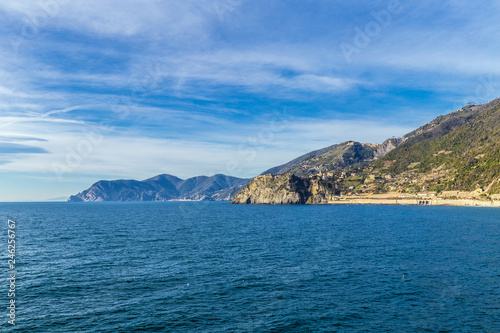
(326, 159)
(453, 156)
(163, 187)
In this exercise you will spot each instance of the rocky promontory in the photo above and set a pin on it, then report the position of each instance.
(453, 157)
(268, 189)
(286, 189)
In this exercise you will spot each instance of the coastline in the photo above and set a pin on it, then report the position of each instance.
(390, 202)
(417, 202)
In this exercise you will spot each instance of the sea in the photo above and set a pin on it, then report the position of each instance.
(217, 267)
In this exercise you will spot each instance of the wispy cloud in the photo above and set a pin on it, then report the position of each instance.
(77, 149)
(15, 148)
(19, 138)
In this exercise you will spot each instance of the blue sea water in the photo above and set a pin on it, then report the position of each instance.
(216, 267)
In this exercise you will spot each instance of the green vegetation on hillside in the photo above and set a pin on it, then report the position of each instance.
(466, 158)
(456, 155)
(340, 156)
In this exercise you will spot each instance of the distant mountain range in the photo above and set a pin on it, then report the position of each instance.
(454, 156)
(163, 188)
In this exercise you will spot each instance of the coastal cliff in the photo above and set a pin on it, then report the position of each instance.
(453, 157)
(267, 189)
(287, 189)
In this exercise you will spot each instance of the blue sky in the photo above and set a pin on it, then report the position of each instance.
(112, 89)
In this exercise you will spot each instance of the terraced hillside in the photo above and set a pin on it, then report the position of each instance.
(453, 156)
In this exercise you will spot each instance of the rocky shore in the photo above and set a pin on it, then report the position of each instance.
(289, 189)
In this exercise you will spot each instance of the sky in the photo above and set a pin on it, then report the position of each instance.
(120, 89)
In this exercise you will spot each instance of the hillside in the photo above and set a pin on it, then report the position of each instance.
(453, 156)
(298, 161)
(460, 151)
(331, 158)
(163, 188)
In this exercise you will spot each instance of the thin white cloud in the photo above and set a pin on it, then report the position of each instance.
(9, 121)
(72, 108)
(157, 20)
(12, 93)
(78, 149)
(267, 71)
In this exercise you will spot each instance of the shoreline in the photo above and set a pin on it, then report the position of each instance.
(417, 202)
(392, 202)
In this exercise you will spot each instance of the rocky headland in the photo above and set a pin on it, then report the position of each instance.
(452, 160)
